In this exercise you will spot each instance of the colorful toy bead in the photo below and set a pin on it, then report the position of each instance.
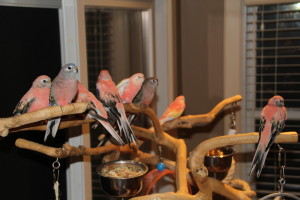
(160, 166)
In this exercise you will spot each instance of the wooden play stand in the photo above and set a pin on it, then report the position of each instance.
(189, 169)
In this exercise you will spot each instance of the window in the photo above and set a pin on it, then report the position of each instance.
(272, 67)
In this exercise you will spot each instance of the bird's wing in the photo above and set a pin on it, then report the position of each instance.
(52, 101)
(122, 85)
(22, 107)
(277, 127)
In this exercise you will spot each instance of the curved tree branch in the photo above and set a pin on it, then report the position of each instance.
(43, 114)
(196, 159)
(161, 138)
(189, 121)
(34, 121)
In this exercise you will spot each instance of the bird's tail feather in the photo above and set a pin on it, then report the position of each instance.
(103, 141)
(96, 116)
(131, 118)
(112, 132)
(127, 130)
(258, 159)
(52, 127)
(261, 162)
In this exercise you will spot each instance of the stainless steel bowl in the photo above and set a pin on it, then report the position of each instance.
(219, 164)
(121, 186)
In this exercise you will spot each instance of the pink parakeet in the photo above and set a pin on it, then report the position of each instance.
(96, 111)
(63, 91)
(109, 97)
(37, 97)
(273, 118)
(129, 87)
(174, 110)
(147, 92)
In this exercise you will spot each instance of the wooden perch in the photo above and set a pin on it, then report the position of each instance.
(161, 138)
(63, 124)
(197, 167)
(29, 121)
(47, 113)
(206, 185)
(152, 116)
(68, 150)
(189, 121)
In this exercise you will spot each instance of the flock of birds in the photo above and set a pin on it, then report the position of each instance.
(106, 106)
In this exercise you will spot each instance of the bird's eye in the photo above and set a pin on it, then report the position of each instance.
(69, 68)
(44, 81)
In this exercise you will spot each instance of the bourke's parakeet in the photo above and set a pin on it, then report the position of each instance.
(147, 92)
(145, 95)
(109, 97)
(272, 121)
(37, 97)
(129, 87)
(63, 91)
(174, 110)
(96, 111)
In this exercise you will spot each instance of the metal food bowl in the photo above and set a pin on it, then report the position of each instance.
(122, 184)
(218, 162)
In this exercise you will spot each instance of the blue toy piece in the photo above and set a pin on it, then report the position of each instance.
(160, 166)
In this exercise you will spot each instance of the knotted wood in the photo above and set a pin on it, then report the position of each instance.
(206, 185)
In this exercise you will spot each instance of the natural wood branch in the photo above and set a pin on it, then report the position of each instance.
(47, 113)
(63, 124)
(170, 196)
(199, 172)
(189, 121)
(177, 145)
(161, 138)
(243, 189)
(242, 186)
(197, 155)
(32, 121)
(67, 150)
(152, 116)
(196, 158)
(229, 192)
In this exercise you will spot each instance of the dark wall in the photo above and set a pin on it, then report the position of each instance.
(29, 47)
(201, 35)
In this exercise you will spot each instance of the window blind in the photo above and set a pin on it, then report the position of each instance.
(272, 67)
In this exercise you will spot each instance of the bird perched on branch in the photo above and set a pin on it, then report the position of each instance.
(108, 95)
(145, 95)
(174, 110)
(96, 111)
(272, 122)
(129, 87)
(147, 92)
(63, 91)
(37, 97)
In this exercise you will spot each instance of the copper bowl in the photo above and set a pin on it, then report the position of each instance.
(218, 162)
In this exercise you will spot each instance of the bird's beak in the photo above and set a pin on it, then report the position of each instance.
(76, 68)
